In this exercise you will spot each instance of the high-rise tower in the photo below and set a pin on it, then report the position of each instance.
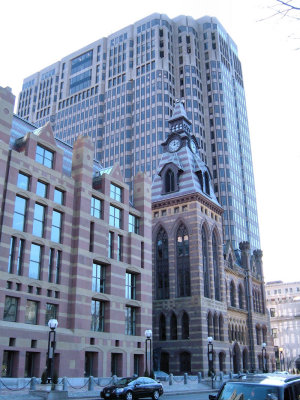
(120, 91)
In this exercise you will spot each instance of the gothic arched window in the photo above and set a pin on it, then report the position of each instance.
(206, 180)
(162, 265)
(173, 327)
(205, 263)
(232, 294)
(210, 328)
(162, 327)
(200, 177)
(169, 181)
(216, 267)
(241, 297)
(185, 326)
(183, 262)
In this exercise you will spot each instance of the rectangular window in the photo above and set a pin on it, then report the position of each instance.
(41, 189)
(111, 245)
(31, 312)
(115, 192)
(56, 226)
(38, 220)
(120, 248)
(51, 312)
(98, 278)
(19, 213)
(130, 286)
(10, 309)
(44, 156)
(96, 207)
(97, 313)
(272, 312)
(58, 196)
(23, 181)
(130, 323)
(20, 256)
(274, 333)
(50, 265)
(115, 216)
(11, 255)
(134, 224)
(35, 261)
(57, 267)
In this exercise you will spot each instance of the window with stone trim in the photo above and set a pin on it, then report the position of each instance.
(216, 267)
(162, 265)
(162, 327)
(173, 327)
(205, 263)
(183, 262)
(185, 326)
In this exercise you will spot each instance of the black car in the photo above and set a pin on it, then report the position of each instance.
(133, 388)
(271, 386)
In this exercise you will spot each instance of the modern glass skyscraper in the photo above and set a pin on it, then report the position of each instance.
(120, 91)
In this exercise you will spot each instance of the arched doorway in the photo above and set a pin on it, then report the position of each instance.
(236, 358)
(164, 362)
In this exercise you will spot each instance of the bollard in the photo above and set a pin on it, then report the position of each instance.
(65, 383)
(91, 384)
(199, 377)
(221, 376)
(171, 379)
(185, 378)
(33, 383)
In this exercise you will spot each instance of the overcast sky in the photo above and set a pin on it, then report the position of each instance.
(37, 33)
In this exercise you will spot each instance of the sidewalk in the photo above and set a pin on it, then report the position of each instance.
(176, 388)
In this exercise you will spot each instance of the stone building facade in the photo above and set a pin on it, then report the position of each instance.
(201, 288)
(72, 247)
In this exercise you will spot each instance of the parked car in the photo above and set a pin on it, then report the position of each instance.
(133, 388)
(260, 387)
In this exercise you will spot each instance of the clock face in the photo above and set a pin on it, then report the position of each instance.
(193, 146)
(174, 145)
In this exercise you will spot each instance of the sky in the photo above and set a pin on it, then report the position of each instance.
(37, 33)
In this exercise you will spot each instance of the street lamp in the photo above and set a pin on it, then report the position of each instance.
(210, 354)
(148, 335)
(281, 357)
(264, 357)
(52, 323)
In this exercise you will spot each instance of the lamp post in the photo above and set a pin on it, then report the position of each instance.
(210, 354)
(52, 323)
(264, 357)
(281, 358)
(148, 335)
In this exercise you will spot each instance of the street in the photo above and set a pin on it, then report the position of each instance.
(187, 396)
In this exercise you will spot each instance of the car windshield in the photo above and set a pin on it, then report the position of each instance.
(124, 381)
(242, 391)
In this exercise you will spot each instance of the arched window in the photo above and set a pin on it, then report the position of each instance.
(183, 262)
(229, 333)
(264, 334)
(210, 328)
(185, 326)
(216, 327)
(200, 177)
(162, 327)
(241, 297)
(162, 265)
(173, 327)
(205, 263)
(258, 334)
(221, 327)
(185, 362)
(232, 294)
(222, 361)
(169, 181)
(216, 267)
(206, 180)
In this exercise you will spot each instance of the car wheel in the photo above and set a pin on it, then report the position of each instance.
(155, 395)
(129, 396)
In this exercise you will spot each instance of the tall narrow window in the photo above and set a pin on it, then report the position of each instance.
(173, 327)
(51, 312)
(38, 220)
(20, 257)
(19, 213)
(35, 261)
(162, 327)
(23, 181)
(142, 254)
(185, 326)
(11, 255)
(58, 196)
(130, 286)
(206, 180)
(205, 263)
(56, 226)
(170, 181)
(130, 321)
(110, 244)
(50, 265)
(98, 278)
(31, 312)
(10, 309)
(92, 235)
(134, 224)
(96, 207)
(232, 294)
(200, 178)
(241, 296)
(41, 189)
(97, 313)
(162, 265)
(120, 248)
(183, 262)
(115, 216)
(115, 192)
(57, 267)
(216, 267)
(44, 156)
